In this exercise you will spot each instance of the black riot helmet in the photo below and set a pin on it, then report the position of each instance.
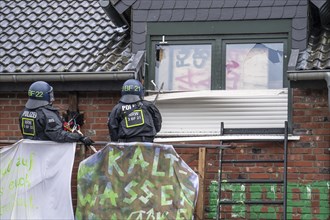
(40, 94)
(132, 91)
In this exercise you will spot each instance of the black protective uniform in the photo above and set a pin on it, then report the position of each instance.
(45, 123)
(139, 121)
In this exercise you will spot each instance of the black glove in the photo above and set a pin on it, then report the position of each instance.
(86, 141)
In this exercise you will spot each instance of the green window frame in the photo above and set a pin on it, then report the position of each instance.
(218, 35)
(269, 43)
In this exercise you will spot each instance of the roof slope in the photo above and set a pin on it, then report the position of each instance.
(60, 36)
(317, 54)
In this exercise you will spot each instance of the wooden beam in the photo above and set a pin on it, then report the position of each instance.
(201, 174)
(73, 102)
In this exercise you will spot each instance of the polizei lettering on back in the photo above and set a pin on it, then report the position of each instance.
(29, 114)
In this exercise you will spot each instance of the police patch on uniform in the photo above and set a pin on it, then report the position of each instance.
(51, 122)
(135, 118)
(28, 126)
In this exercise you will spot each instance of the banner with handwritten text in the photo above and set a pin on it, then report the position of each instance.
(136, 181)
(35, 180)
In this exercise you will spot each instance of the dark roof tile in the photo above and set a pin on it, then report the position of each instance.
(293, 2)
(140, 15)
(139, 27)
(255, 3)
(227, 14)
(136, 5)
(128, 2)
(138, 38)
(242, 4)
(280, 2)
(193, 4)
(165, 15)
(190, 14)
(202, 14)
(301, 11)
(289, 11)
(264, 12)
(177, 15)
(239, 13)
(267, 3)
(153, 15)
(139, 47)
(181, 4)
(277, 12)
(251, 13)
(214, 14)
(169, 4)
(121, 8)
(123, 5)
(217, 3)
(304, 2)
(145, 4)
(230, 3)
(298, 34)
(206, 3)
(156, 4)
(299, 23)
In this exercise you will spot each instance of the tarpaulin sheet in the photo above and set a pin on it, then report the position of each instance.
(35, 180)
(136, 181)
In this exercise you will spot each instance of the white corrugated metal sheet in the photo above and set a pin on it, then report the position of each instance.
(200, 113)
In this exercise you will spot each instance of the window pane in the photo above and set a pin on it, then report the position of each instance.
(184, 67)
(254, 66)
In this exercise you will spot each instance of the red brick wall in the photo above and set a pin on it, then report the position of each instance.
(10, 106)
(308, 158)
(95, 107)
(308, 168)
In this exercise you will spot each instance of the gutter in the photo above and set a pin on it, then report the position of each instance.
(296, 75)
(310, 75)
(66, 76)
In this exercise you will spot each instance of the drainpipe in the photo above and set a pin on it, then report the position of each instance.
(310, 75)
(66, 76)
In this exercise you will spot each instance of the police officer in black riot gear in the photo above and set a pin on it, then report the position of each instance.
(134, 119)
(41, 121)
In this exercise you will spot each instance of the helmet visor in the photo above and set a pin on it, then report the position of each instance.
(51, 95)
(33, 103)
(130, 99)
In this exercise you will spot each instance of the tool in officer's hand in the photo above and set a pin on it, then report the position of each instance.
(155, 85)
(76, 128)
(159, 91)
(90, 146)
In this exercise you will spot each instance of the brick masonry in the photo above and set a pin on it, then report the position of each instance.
(308, 158)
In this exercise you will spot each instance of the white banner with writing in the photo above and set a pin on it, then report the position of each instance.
(35, 180)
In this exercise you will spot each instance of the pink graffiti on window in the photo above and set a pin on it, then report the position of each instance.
(189, 82)
(232, 75)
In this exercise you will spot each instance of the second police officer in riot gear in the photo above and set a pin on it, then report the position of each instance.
(41, 121)
(134, 119)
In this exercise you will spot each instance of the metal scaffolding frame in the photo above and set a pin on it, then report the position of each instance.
(282, 202)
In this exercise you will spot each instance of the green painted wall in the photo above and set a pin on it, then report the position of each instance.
(310, 200)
